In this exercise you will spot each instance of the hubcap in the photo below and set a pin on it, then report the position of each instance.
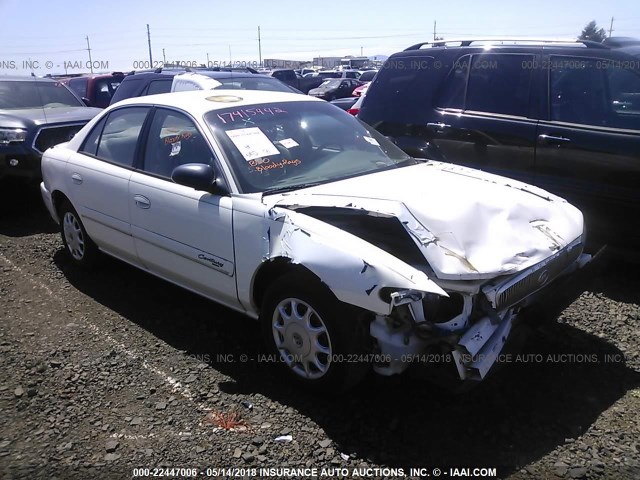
(302, 338)
(73, 235)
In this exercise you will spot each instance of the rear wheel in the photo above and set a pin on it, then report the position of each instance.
(318, 341)
(79, 246)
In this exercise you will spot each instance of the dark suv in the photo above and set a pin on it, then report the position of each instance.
(35, 114)
(563, 116)
(149, 83)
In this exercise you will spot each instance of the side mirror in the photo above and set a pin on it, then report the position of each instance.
(200, 176)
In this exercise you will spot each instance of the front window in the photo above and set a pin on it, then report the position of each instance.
(16, 95)
(288, 145)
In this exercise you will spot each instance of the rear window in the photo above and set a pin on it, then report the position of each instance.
(129, 88)
(79, 85)
(159, 86)
(367, 76)
(498, 83)
(399, 94)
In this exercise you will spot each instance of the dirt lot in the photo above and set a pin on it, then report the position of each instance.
(112, 370)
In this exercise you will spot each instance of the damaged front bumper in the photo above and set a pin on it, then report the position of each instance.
(475, 336)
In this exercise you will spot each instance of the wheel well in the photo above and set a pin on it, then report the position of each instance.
(58, 199)
(272, 270)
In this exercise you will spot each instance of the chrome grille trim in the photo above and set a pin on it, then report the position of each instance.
(518, 287)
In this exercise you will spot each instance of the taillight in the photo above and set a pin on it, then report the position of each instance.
(353, 111)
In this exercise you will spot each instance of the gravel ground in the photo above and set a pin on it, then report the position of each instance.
(111, 370)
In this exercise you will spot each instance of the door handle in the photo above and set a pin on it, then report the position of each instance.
(438, 127)
(552, 140)
(142, 201)
(76, 178)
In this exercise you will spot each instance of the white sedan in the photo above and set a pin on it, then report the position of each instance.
(348, 252)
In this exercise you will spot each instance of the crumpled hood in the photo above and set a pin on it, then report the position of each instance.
(468, 224)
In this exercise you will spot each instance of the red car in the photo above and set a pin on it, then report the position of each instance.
(95, 90)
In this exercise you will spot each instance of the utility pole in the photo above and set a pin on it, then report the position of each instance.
(259, 47)
(164, 59)
(361, 51)
(89, 50)
(208, 60)
(149, 41)
(230, 62)
(611, 27)
(434, 30)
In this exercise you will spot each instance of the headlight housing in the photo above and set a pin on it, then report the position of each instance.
(11, 135)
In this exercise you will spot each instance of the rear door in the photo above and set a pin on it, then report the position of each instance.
(485, 118)
(588, 143)
(98, 179)
(181, 234)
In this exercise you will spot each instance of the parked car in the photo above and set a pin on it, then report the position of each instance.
(95, 90)
(35, 114)
(344, 103)
(361, 90)
(345, 249)
(562, 116)
(333, 88)
(288, 76)
(151, 83)
(355, 108)
(338, 74)
(367, 76)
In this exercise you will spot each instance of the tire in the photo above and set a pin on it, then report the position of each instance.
(297, 308)
(82, 251)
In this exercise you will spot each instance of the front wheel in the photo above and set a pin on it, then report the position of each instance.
(319, 342)
(79, 246)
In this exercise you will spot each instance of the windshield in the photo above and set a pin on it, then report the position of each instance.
(253, 83)
(289, 144)
(15, 95)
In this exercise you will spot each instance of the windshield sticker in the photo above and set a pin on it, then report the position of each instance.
(288, 143)
(372, 141)
(252, 143)
(175, 149)
(244, 113)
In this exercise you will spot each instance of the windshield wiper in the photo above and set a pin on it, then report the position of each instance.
(289, 188)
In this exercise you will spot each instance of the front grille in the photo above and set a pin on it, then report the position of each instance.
(49, 136)
(519, 288)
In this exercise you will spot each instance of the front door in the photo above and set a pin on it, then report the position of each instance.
(182, 234)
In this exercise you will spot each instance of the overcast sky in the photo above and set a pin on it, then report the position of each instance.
(53, 32)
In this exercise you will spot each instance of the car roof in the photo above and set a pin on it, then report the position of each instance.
(199, 102)
(25, 78)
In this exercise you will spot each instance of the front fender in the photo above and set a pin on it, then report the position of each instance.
(352, 268)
